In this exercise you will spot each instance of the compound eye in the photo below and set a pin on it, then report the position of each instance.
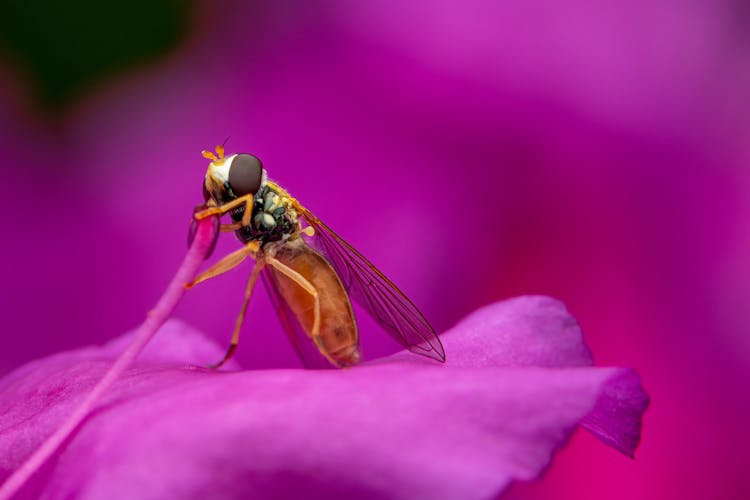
(245, 174)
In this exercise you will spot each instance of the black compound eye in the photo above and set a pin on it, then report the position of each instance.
(245, 174)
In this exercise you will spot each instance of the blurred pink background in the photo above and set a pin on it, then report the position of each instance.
(472, 150)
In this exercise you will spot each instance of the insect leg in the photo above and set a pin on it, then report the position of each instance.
(227, 263)
(259, 264)
(226, 228)
(226, 207)
(244, 222)
(309, 288)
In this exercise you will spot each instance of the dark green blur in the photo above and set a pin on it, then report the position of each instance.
(62, 48)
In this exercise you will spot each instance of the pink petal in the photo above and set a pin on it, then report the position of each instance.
(400, 428)
(539, 331)
(522, 331)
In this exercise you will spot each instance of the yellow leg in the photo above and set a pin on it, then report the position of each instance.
(309, 288)
(227, 263)
(241, 318)
(247, 200)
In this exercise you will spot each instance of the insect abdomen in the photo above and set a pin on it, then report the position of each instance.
(338, 329)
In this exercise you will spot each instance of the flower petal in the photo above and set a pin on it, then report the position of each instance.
(530, 330)
(616, 418)
(392, 430)
(539, 331)
(398, 428)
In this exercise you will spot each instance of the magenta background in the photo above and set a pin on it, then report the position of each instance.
(473, 151)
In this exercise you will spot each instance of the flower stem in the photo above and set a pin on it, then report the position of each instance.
(202, 243)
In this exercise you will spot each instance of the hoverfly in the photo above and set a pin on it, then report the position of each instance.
(310, 272)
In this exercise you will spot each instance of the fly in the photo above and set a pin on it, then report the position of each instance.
(310, 272)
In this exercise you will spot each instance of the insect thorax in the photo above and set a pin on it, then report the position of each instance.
(273, 218)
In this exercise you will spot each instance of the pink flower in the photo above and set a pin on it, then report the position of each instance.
(517, 383)
(607, 147)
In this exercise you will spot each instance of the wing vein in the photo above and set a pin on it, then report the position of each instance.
(393, 310)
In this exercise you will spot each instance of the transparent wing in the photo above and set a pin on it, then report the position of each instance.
(398, 316)
(305, 348)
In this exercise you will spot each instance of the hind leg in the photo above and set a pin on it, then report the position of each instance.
(309, 288)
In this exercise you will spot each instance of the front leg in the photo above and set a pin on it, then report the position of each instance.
(228, 228)
(246, 199)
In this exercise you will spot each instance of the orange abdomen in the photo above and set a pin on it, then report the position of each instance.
(337, 336)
